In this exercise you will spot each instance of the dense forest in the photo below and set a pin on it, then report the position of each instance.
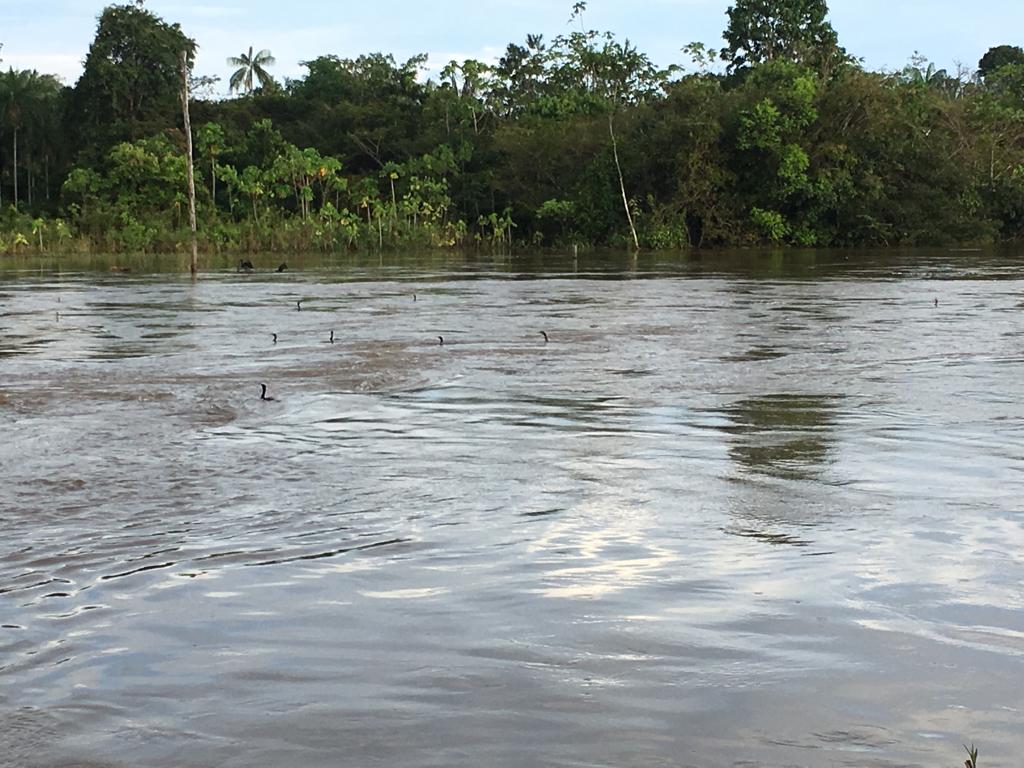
(781, 137)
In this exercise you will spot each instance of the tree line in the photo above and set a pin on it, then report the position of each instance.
(781, 137)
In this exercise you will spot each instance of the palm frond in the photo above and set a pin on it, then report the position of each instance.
(263, 76)
(237, 79)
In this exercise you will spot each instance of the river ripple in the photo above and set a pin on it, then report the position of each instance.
(757, 511)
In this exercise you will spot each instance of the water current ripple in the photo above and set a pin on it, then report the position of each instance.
(746, 510)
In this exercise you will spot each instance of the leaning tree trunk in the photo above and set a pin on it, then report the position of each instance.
(622, 184)
(193, 263)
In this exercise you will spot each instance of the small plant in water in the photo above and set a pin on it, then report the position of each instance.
(972, 756)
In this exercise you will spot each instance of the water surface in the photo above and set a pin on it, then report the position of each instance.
(746, 509)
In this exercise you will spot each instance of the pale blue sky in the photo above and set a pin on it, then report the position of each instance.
(53, 36)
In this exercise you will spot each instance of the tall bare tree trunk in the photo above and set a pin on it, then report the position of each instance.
(194, 262)
(622, 184)
(394, 202)
(15, 167)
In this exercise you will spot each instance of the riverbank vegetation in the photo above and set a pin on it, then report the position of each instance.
(782, 137)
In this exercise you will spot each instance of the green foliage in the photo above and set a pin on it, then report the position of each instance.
(251, 67)
(367, 110)
(1007, 83)
(556, 221)
(923, 74)
(130, 82)
(761, 31)
(771, 224)
(771, 140)
(575, 140)
(28, 110)
(998, 57)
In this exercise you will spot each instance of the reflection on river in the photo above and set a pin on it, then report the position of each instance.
(785, 435)
(753, 509)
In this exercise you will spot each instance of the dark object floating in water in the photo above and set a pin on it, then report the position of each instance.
(936, 302)
(545, 335)
(332, 337)
(282, 267)
(263, 393)
(58, 317)
(441, 341)
(298, 305)
(414, 297)
(275, 337)
(244, 266)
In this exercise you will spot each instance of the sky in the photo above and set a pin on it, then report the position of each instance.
(53, 36)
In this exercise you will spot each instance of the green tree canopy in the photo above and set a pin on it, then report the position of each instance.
(25, 97)
(27, 103)
(998, 57)
(131, 78)
(367, 108)
(520, 75)
(768, 30)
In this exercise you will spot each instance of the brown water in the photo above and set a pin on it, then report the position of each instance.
(740, 510)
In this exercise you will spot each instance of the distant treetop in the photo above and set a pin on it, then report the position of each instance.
(999, 57)
(768, 30)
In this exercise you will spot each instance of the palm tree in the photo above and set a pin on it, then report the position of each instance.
(25, 98)
(249, 66)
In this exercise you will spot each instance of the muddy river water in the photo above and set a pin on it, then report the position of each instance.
(749, 509)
